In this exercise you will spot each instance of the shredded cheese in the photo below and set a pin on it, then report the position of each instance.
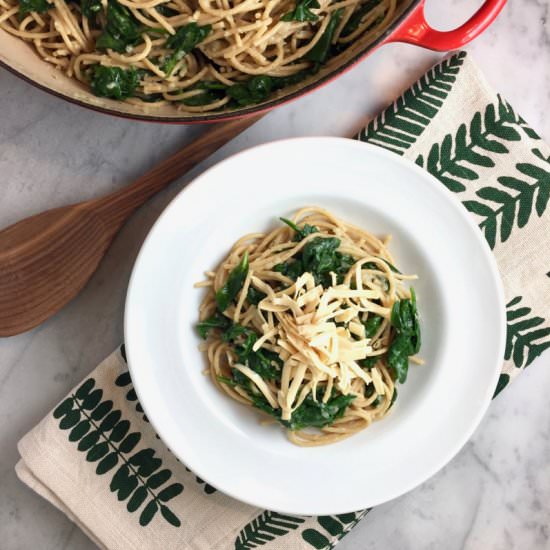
(305, 328)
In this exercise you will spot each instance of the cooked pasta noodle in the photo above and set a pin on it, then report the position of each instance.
(312, 324)
(199, 55)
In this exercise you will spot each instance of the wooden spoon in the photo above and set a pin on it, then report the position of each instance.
(46, 259)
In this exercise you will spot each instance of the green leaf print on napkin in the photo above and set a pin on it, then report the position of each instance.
(332, 526)
(397, 128)
(123, 380)
(524, 341)
(515, 204)
(106, 438)
(265, 528)
(459, 157)
(503, 380)
(206, 487)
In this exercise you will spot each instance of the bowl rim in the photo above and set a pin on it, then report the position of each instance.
(467, 433)
(236, 113)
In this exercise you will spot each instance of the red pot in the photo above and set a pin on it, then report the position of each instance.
(410, 26)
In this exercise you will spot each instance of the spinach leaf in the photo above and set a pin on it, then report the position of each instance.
(156, 31)
(310, 414)
(254, 296)
(185, 39)
(215, 321)
(201, 99)
(90, 8)
(372, 265)
(292, 268)
(260, 402)
(212, 85)
(122, 30)
(226, 380)
(345, 263)
(372, 325)
(391, 266)
(393, 398)
(404, 318)
(28, 6)
(254, 90)
(149, 98)
(302, 12)
(320, 52)
(302, 233)
(212, 91)
(307, 230)
(114, 82)
(233, 285)
(244, 337)
(242, 380)
(398, 357)
(377, 401)
(248, 92)
(317, 414)
(355, 20)
(319, 256)
(266, 363)
(164, 10)
(280, 82)
(290, 224)
(369, 362)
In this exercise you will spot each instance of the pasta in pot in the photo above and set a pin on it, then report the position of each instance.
(311, 324)
(199, 55)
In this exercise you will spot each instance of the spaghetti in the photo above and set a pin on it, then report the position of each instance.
(199, 55)
(312, 324)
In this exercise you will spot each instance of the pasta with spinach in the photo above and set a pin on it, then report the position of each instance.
(199, 55)
(311, 324)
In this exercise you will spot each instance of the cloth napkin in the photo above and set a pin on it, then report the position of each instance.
(96, 457)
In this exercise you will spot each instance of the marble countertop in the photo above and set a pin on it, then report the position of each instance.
(494, 495)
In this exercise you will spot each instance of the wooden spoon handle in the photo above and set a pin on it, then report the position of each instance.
(116, 207)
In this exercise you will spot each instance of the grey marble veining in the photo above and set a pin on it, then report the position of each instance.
(494, 495)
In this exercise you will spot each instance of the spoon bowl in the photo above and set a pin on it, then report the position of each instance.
(46, 259)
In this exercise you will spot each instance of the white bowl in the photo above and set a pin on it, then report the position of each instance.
(460, 300)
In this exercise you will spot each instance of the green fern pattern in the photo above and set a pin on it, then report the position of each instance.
(397, 128)
(335, 528)
(503, 380)
(106, 438)
(206, 487)
(123, 380)
(513, 206)
(458, 157)
(264, 528)
(529, 132)
(525, 338)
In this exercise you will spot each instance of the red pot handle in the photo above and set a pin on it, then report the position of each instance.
(415, 29)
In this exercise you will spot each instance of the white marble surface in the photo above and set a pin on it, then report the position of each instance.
(494, 495)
